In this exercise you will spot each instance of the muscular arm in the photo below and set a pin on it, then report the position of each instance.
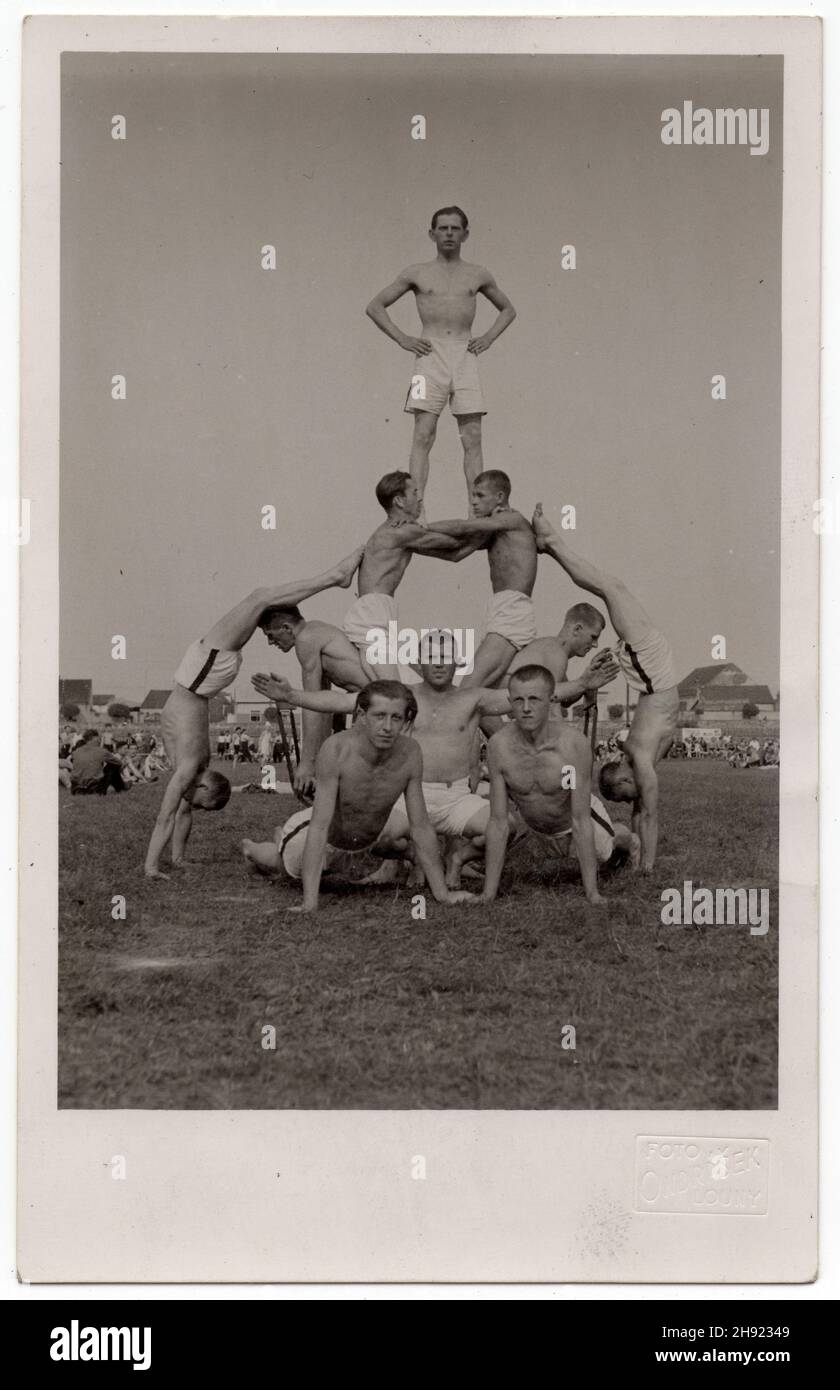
(325, 701)
(646, 811)
(422, 540)
(377, 309)
(505, 318)
(326, 775)
(497, 826)
(422, 834)
(177, 788)
(582, 831)
(478, 527)
(493, 701)
(316, 725)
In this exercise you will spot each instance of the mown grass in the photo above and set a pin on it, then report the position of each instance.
(374, 1010)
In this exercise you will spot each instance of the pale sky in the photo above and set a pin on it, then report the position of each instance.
(248, 387)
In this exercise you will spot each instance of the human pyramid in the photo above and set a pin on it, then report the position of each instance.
(405, 771)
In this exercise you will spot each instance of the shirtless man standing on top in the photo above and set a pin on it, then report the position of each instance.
(445, 357)
(644, 655)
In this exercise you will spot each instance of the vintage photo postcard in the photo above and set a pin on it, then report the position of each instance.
(419, 477)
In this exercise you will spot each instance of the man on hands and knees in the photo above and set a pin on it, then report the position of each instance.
(208, 666)
(644, 656)
(360, 775)
(548, 775)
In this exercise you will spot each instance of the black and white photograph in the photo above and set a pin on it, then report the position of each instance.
(421, 590)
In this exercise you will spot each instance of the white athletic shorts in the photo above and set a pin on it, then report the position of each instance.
(648, 666)
(370, 613)
(511, 615)
(601, 824)
(448, 373)
(451, 805)
(290, 840)
(206, 670)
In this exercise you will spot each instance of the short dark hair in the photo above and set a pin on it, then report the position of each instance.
(534, 673)
(587, 614)
(391, 486)
(451, 212)
(217, 788)
(495, 478)
(389, 690)
(89, 735)
(279, 610)
(607, 778)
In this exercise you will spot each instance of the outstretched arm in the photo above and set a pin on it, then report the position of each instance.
(177, 788)
(507, 314)
(582, 831)
(497, 826)
(425, 839)
(325, 701)
(478, 527)
(232, 631)
(316, 726)
(602, 669)
(646, 811)
(627, 615)
(326, 772)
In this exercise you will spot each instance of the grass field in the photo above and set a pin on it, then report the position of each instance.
(372, 1009)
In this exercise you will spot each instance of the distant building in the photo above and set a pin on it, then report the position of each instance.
(100, 703)
(76, 692)
(720, 691)
(249, 711)
(151, 707)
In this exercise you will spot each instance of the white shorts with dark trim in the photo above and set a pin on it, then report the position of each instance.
(290, 840)
(648, 665)
(448, 373)
(206, 670)
(601, 824)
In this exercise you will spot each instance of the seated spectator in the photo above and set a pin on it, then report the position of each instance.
(94, 768)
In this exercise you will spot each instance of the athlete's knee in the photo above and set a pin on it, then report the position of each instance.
(469, 428)
(425, 427)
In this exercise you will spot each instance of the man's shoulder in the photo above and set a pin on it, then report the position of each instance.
(571, 741)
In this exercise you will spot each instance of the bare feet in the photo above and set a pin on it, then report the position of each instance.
(635, 851)
(416, 877)
(388, 872)
(156, 873)
(542, 527)
(263, 857)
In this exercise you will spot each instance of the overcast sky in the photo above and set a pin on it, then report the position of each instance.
(248, 387)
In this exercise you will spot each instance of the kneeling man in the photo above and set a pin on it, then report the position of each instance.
(548, 775)
(360, 775)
